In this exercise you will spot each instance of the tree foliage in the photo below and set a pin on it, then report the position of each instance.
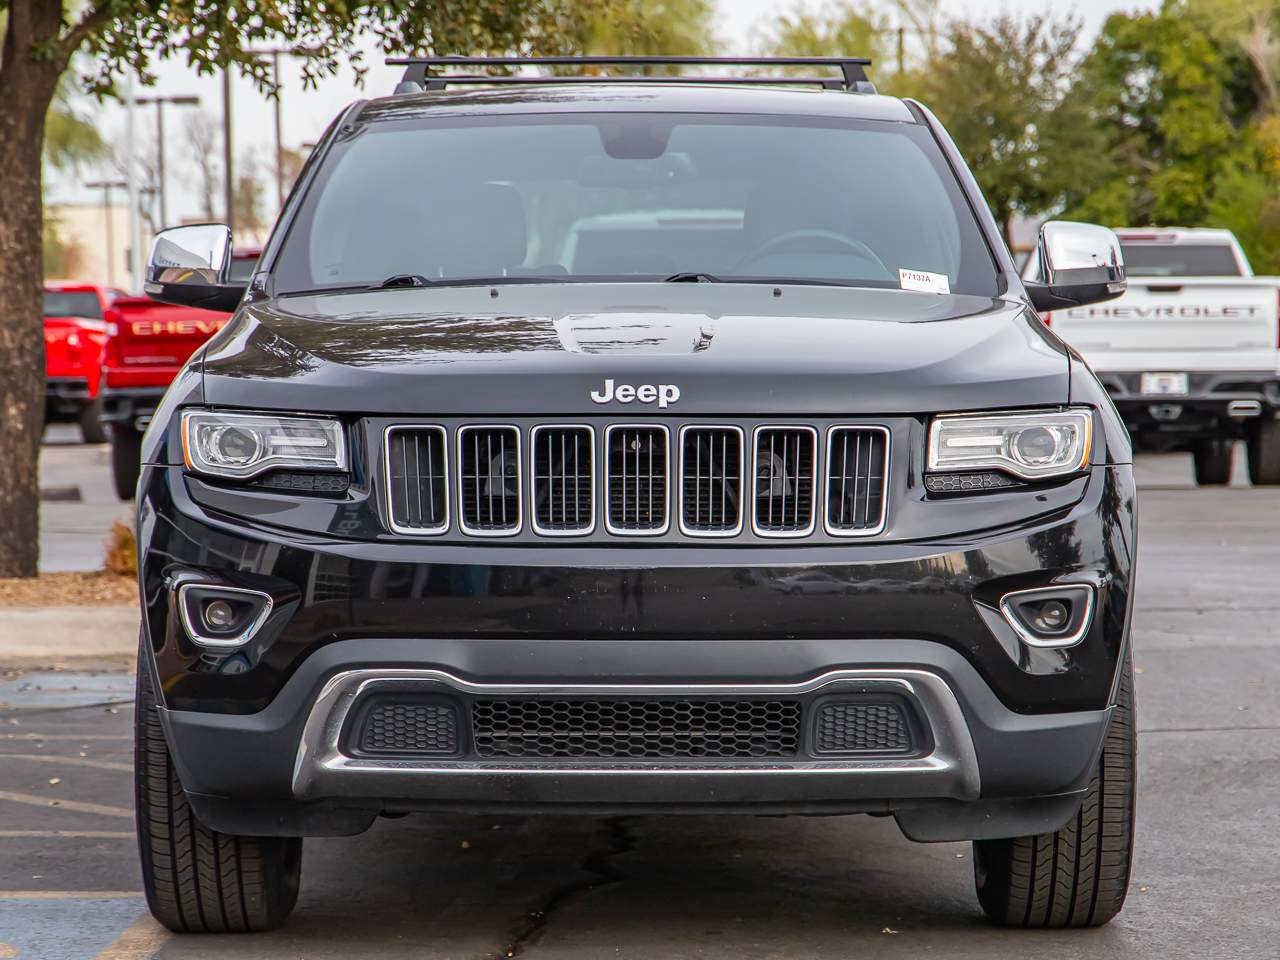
(833, 29)
(1004, 92)
(1190, 136)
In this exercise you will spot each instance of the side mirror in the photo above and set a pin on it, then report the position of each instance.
(1080, 263)
(189, 266)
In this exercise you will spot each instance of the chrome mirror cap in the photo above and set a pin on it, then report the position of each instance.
(196, 254)
(1080, 263)
(190, 265)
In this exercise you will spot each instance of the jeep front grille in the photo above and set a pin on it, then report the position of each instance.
(711, 481)
(563, 480)
(857, 464)
(785, 477)
(489, 480)
(418, 480)
(636, 479)
(828, 481)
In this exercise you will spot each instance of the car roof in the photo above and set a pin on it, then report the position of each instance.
(693, 97)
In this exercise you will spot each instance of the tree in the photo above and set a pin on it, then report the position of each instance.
(204, 146)
(248, 196)
(1157, 85)
(839, 28)
(647, 27)
(1004, 91)
(70, 140)
(38, 39)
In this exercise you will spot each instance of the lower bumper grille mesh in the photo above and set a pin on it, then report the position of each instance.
(407, 727)
(635, 729)
(853, 727)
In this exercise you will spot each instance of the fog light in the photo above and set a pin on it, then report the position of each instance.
(222, 617)
(219, 615)
(1050, 616)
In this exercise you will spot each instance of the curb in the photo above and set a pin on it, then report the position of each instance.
(64, 632)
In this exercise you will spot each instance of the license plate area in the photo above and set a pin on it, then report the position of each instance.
(1164, 384)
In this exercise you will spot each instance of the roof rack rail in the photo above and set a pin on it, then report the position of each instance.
(423, 73)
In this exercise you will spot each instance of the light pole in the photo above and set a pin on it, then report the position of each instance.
(106, 186)
(275, 53)
(160, 100)
(227, 153)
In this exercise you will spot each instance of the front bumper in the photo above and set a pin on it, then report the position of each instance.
(130, 408)
(66, 396)
(1011, 732)
(1217, 406)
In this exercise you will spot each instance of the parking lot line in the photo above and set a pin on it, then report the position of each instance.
(75, 805)
(69, 894)
(143, 938)
(83, 738)
(73, 761)
(70, 834)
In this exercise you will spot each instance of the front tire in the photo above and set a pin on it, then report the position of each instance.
(126, 457)
(1212, 462)
(1264, 453)
(196, 879)
(1077, 876)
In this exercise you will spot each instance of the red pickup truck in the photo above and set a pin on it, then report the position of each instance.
(77, 317)
(148, 343)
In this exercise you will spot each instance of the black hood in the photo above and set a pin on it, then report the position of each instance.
(543, 349)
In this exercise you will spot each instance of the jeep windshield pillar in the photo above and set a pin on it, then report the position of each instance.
(677, 445)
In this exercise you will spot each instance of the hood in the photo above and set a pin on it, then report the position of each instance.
(695, 349)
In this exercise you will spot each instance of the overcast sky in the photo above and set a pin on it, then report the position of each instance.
(306, 113)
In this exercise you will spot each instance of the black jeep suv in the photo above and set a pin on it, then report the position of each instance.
(653, 445)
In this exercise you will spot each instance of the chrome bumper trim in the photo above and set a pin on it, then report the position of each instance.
(322, 770)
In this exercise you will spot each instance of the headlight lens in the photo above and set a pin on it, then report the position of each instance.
(241, 446)
(1033, 446)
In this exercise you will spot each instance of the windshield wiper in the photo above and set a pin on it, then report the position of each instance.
(692, 276)
(402, 280)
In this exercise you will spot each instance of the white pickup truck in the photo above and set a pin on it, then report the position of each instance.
(1191, 352)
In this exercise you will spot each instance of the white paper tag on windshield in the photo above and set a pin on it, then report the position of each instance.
(924, 281)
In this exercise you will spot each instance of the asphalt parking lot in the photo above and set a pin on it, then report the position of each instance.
(1206, 882)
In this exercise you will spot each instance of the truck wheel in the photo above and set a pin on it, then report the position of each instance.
(1264, 453)
(1212, 462)
(91, 428)
(1078, 875)
(196, 879)
(126, 452)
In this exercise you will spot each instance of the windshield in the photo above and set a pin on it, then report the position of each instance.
(59, 303)
(1179, 260)
(637, 197)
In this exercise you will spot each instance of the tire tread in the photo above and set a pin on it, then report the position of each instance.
(198, 880)
(1078, 875)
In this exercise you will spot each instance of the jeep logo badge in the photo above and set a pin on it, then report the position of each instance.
(662, 393)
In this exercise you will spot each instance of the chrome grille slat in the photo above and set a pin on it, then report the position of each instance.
(711, 460)
(855, 498)
(784, 478)
(489, 480)
(563, 480)
(636, 479)
(418, 499)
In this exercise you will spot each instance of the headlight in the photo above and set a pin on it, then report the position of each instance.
(242, 445)
(1032, 446)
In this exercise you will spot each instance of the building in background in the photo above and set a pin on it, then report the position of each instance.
(93, 239)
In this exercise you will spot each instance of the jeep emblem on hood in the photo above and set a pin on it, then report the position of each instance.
(662, 393)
